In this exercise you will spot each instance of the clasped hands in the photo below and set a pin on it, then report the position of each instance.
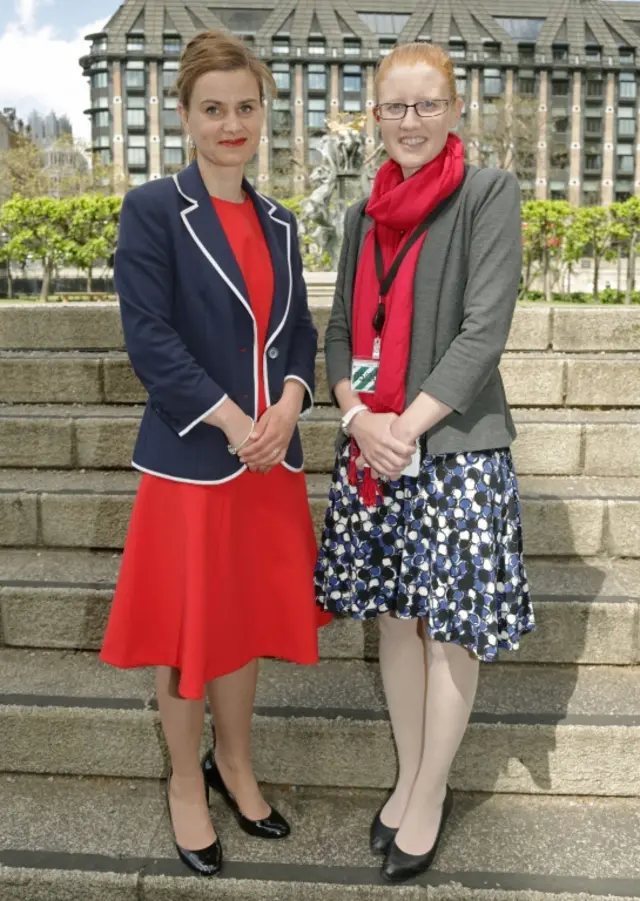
(268, 445)
(384, 442)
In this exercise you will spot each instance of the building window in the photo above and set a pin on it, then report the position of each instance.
(101, 102)
(104, 156)
(100, 80)
(317, 112)
(521, 28)
(527, 84)
(560, 87)
(352, 105)
(593, 54)
(492, 82)
(317, 47)
(280, 47)
(625, 158)
(560, 53)
(137, 157)
(281, 120)
(627, 87)
(137, 178)
(626, 127)
(595, 89)
(171, 44)
(457, 51)
(136, 101)
(135, 43)
(314, 156)
(492, 51)
(101, 119)
(136, 118)
(385, 23)
(352, 47)
(173, 151)
(102, 141)
(593, 161)
(461, 82)
(99, 46)
(169, 74)
(526, 53)
(170, 115)
(135, 75)
(352, 79)
(317, 77)
(593, 125)
(626, 55)
(591, 192)
(386, 47)
(282, 75)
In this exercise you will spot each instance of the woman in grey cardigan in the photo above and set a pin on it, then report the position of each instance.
(423, 529)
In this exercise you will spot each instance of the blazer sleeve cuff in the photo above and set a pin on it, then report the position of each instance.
(307, 405)
(447, 394)
(195, 422)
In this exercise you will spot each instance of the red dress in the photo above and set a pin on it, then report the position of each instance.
(214, 576)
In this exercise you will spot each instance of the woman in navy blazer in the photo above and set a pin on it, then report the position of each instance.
(218, 564)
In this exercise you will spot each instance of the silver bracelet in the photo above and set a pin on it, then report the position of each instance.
(234, 451)
(350, 415)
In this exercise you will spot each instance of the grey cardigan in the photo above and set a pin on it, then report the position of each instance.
(465, 290)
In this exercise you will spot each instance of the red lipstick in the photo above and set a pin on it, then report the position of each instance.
(238, 143)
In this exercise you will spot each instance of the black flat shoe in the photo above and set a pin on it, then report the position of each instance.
(380, 836)
(272, 826)
(208, 861)
(400, 866)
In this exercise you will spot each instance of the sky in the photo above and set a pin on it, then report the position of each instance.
(41, 42)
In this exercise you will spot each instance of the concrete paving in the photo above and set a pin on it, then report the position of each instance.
(490, 840)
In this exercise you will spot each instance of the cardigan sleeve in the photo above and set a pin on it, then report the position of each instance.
(337, 342)
(493, 277)
(301, 364)
(179, 389)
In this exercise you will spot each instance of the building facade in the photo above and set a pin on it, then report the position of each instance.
(46, 130)
(575, 62)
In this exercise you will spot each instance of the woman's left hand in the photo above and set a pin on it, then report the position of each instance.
(271, 438)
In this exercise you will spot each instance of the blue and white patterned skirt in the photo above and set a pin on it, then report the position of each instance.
(445, 546)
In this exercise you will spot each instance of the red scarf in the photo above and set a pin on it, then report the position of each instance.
(397, 206)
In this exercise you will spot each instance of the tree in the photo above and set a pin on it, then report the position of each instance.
(590, 231)
(545, 226)
(92, 230)
(625, 224)
(38, 230)
(506, 138)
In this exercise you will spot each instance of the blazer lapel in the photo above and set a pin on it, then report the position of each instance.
(203, 225)
(279, 235)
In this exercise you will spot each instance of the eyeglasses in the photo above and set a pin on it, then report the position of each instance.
(426, 109)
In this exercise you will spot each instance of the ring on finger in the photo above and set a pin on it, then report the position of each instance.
(275, 453)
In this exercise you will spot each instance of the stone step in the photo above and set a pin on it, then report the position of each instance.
(563, 516)
(531, 379)
(550, 442)
(96, 326)
(535, 729)
(587, 612)
(117, 845)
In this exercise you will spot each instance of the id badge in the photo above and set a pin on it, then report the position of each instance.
(363, 375)
(413, 469)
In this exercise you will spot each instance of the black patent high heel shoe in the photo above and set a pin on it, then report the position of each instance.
(272, 826)
(380, 836)
(208, 861)
(400, 866)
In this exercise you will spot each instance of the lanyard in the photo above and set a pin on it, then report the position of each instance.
(386, 281)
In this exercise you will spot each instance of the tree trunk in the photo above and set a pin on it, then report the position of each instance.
(9, 281)
(547, 276)
(89, 281)
(46, 282)
(619, 275)
(631, 266)
(596, 277)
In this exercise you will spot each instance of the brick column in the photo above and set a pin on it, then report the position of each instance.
(575, 167)
(637, 164)
(608, 156)
(508, 100)
(118, 131)
(155, 146)
(264, 167)
(335, 91)
(474, 115)
(299, 126)
(542, 161)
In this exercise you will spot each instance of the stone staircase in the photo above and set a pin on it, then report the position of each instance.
(548, 778)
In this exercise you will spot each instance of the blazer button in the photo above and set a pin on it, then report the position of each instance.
(274, 353)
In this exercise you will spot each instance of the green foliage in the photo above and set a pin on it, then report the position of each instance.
(59, 232)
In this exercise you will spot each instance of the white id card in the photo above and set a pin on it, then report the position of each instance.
(363, 375)
(413, 469)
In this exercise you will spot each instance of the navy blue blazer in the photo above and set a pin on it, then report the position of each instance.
(189, 328)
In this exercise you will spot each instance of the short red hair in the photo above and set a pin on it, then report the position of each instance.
(414, 55)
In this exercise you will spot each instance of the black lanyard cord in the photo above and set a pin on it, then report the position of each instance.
(385, 281)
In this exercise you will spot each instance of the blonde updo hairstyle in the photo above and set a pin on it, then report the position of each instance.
(418, 54)
(219, 51)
